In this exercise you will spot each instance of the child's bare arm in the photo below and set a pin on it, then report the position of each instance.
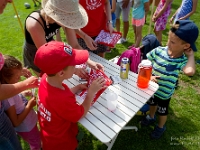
(18, 119)
(194, 6)
(173, 16)
(108, 16)
(9, 90)
(58, 36)
(113, 6)
(154, 78)
(146, 8)
(96, 85)
(189, 68)
(155, 17)
(78, 87)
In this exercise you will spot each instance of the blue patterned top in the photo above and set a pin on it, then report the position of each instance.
(167, 68)
(186, 7)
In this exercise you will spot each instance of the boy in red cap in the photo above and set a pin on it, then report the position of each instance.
(58, 111)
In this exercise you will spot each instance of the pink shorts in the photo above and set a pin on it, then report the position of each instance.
(32, 138)
(138, 22)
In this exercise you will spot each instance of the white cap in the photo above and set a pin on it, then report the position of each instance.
(146, 63)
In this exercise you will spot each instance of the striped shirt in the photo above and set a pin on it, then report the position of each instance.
(167, 68)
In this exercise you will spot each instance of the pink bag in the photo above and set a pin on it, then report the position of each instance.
(134, 56)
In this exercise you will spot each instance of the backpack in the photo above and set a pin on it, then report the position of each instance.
(149, 42)
(134, 56)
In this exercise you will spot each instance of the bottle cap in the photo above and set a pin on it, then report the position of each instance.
(146, 63)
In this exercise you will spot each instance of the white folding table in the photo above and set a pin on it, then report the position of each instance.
(106, 125)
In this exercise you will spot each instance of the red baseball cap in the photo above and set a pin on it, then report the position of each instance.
(54, 56)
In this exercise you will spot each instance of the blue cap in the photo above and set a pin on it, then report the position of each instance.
(187, 31)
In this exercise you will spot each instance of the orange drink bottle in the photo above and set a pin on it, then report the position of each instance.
(144, 73)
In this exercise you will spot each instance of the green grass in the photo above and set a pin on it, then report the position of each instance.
(183, 124)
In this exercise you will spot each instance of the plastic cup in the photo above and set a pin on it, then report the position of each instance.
(111, 98)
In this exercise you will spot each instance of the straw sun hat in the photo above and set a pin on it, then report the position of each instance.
(68, 13)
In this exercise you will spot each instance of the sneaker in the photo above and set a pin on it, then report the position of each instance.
(147, 121)
(157, 132)
(121, 40)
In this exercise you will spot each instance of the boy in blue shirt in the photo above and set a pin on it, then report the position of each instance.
(167, 62)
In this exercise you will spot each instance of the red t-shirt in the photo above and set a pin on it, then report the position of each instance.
(58, 114)
(96, 15)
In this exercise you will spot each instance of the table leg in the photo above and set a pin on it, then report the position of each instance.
(130, 127)
(113, 140)
(111, 143)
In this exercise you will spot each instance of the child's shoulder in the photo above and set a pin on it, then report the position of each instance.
(160, 49)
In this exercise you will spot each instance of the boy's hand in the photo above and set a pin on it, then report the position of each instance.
(32, 102)
(97, 85)
(82, 86)
(94, 65)
(81, 72)
(154, 78)
(189, 52)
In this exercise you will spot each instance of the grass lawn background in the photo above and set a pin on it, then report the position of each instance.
(183, 124)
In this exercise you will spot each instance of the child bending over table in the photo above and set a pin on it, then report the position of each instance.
(167, 63)
(58, 111)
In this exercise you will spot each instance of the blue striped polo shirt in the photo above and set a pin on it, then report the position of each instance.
(167, 68)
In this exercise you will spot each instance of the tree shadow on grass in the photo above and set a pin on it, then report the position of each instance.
(89, 142)
(175, 137)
